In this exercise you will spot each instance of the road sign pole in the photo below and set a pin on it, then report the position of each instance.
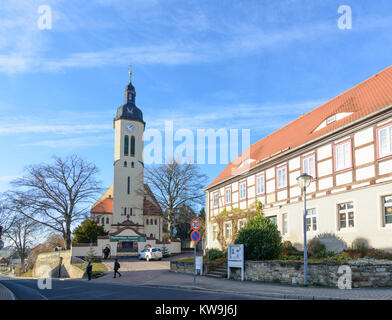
(195, 237)
(194, 271)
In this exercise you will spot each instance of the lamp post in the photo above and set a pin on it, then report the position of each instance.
(304, 181)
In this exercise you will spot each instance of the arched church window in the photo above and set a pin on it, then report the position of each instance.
(147, 221)
(129, 185)
(125, 211)
(103, 220)
(132, 146)
(132, 164)
(125, 164)
(126, 145)
(151, 221)
(156, 221)
(107, 220)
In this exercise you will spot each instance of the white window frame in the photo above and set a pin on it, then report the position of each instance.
(280, 182)
(228, 236)
(260, 184)
(388, 141)
(311, 219)
(228, 191)
(384, 206)
(214, 232)
(307, 167)
(243, 195)
(343, 155)
(285, 223)
(217, 199)
(346, 211)
(241, 223)
(274, 217)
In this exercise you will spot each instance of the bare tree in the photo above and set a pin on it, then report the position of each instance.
(21, 232)
(57, 195)
(5, 218)
(175, 185)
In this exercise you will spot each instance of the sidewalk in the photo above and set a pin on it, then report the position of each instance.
(267, 290)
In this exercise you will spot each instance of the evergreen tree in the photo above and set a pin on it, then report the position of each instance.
(165, 252)
(88, 232)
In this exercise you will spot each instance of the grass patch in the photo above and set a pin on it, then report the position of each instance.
(98, 268)
(214, 262)
(28, 274)
(185, 260)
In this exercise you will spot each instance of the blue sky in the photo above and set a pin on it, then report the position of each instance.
(203, 64)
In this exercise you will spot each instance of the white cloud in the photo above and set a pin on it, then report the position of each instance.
(241, 116)
(57, 129)
(7, 178)
(160, 33)
(73, 143)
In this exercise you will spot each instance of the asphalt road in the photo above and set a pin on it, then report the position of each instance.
(82, 289)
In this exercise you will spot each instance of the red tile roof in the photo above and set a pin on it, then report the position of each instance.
(150, 208)
(362, 100)
(103, 206)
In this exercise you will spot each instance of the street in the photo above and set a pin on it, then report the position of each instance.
(133, 285)
(82, 289)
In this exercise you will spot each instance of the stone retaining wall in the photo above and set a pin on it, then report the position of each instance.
(182, 267)
(47, 265)
(365, 273)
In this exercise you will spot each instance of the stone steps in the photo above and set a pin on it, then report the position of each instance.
(218, 272)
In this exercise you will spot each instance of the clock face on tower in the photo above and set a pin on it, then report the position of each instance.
(129, 127)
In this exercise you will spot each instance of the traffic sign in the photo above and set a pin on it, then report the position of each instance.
(195, 236)
(195, 224)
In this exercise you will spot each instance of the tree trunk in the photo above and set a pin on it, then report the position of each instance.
(67, 236)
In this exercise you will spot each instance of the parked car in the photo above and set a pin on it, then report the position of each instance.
(150, 254)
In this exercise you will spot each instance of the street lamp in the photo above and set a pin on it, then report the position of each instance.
(304, 181)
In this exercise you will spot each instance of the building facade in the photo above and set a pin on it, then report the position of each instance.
(128, 210)
(346, 146)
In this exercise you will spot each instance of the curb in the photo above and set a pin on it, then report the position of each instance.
(264, 295)
(8, 292)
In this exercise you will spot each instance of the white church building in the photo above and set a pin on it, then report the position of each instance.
(128, 210)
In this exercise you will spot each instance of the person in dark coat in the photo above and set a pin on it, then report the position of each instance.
(89, 270)
(106, 252)
(116, 267)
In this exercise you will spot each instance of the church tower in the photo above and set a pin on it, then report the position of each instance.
(128, 162)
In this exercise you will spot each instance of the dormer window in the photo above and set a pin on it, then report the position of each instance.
(246, 162)
(331, 119)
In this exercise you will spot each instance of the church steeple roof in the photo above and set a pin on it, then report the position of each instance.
(129, 110)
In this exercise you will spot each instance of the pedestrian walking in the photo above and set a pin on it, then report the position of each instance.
(89, 270)
(116, 267)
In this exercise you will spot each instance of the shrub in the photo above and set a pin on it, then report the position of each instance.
(323, 254)
(88, 232)
(165, 252)
(360, 245)
(289, 249)
(214, 254)
(261, 239)
(91, 256)
(315, 246)
(353, 254)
